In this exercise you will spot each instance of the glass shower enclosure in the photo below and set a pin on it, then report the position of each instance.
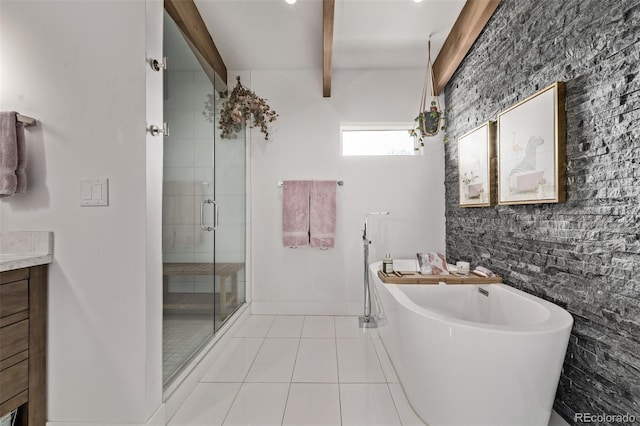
(203, 211)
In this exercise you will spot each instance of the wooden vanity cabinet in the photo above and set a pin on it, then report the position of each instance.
(23, 344)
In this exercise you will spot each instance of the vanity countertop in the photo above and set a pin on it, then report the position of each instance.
(23, 249)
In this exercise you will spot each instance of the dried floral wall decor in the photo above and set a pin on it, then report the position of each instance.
(243, 106)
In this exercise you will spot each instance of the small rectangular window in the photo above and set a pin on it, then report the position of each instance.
(379, 139)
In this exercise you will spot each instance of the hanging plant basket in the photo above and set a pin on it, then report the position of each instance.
(243, 106)
(427, 123)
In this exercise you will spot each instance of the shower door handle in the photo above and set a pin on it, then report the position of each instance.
(215, 216)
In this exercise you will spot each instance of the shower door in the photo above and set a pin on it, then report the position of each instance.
(230, 196)
(203, 201)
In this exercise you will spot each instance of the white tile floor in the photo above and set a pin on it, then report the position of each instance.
(299, 370)
(302, 370)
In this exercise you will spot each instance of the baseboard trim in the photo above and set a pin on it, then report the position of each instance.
(156, 419)
(306, 308)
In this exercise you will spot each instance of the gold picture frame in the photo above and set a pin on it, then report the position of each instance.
(531, 149)
(476, 159)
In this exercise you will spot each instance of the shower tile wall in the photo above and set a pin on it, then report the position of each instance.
(188, 178)
(231, 199)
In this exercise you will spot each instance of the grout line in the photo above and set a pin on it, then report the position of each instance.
(304, 321)
(380, 359)
(286, 401)
(244, 378)
(232, 403)
(393, 401)
(245, 374)
(304, 318)
(404, 394)
(273, 320)
(335, 338)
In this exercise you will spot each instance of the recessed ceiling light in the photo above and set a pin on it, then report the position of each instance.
(293, 1)
(417, 1)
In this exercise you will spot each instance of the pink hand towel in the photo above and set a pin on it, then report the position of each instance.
(21, 174)
(8, 154)
(323, 213)
(295, 213)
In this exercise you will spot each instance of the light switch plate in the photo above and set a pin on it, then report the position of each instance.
(94, 191)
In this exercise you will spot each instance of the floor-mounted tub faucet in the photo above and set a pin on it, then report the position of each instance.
(366, 321)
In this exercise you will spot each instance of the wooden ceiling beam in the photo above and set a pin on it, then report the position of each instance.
(187, 17)
(328, 12)
(472, 19)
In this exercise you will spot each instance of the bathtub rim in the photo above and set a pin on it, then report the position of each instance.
(558, 319)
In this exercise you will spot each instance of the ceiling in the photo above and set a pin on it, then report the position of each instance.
(368, 34)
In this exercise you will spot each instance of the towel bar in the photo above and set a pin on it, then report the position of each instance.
(27, 121)
(340, 183)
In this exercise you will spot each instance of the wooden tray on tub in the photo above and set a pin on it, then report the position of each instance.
(413, 277)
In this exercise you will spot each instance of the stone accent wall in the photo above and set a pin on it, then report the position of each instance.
(583, 254)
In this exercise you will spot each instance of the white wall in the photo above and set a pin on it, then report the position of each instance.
(80, 68)
(305, 144)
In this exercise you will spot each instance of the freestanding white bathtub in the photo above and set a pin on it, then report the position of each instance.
(466, 357)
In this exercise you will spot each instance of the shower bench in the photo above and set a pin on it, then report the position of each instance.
(200, 302)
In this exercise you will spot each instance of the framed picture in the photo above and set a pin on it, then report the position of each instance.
(475, 166)
(531, 149)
